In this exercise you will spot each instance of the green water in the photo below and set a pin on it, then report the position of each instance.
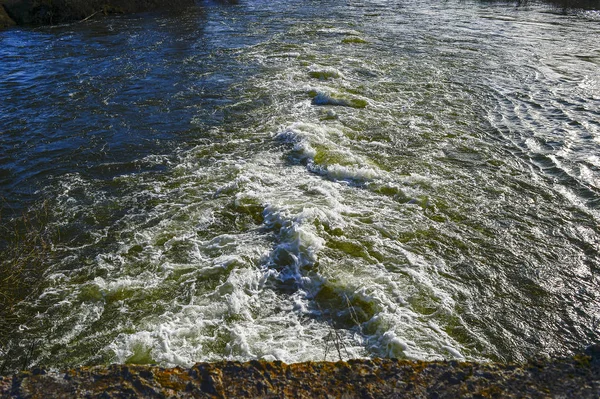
(240, 181)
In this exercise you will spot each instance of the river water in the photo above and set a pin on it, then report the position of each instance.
(308, 180)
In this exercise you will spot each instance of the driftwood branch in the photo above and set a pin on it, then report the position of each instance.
(86, 18)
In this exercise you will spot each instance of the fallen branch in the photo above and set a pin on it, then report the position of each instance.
(86, 18)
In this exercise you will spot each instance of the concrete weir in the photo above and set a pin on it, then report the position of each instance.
(576, 377)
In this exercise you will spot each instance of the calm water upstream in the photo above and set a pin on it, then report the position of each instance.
(416, 179)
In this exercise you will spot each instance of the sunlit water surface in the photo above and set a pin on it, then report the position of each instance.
(286, 179)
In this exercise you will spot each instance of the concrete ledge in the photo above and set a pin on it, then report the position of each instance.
(577, 377)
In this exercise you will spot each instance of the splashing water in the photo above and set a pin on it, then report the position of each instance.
(241, 180)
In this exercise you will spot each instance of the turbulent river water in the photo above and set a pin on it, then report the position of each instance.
(300, 180)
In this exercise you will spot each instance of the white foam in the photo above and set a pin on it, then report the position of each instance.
(589, 176)
(257, 329)
(453, 352)
(327, 71)
(235, 287)
(306, 137)
(354, 172)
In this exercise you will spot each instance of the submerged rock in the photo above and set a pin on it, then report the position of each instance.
(577, 377)
(320, 98)
(44, 12)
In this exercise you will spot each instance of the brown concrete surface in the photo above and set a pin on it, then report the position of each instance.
(576, 377)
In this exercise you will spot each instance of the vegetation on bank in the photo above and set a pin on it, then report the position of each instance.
(51, 12)
(572, 4)
(560, 4)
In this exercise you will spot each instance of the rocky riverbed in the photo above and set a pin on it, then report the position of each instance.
(576, 377)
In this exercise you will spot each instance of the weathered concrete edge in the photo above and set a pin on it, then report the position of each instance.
(576, 377)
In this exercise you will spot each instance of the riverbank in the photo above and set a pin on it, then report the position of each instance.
(50, 12)
(576, 377)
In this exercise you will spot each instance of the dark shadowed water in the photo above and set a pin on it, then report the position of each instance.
(411, 179)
